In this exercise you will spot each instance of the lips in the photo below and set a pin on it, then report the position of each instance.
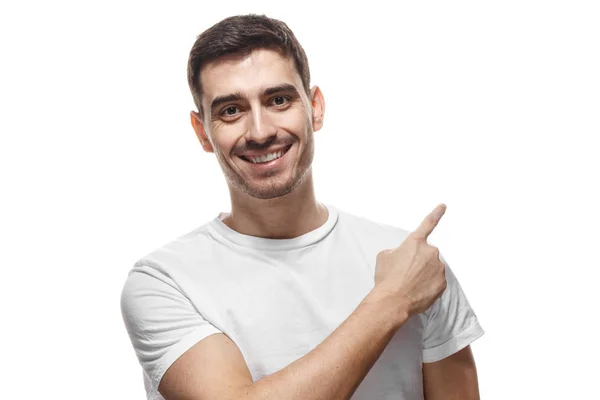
(251, 157)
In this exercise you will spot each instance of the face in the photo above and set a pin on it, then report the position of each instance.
(259, 122)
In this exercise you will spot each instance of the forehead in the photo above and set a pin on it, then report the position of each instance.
(249, 74)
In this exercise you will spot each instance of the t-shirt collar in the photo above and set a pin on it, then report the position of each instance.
(219, 229)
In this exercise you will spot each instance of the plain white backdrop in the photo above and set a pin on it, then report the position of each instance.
(490, 107)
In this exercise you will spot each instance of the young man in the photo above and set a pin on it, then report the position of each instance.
(285, 297)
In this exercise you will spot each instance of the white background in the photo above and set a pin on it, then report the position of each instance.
(490, 107)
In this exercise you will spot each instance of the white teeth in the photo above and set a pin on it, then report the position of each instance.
(266, 158)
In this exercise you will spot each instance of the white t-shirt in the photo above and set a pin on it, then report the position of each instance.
(277, 299)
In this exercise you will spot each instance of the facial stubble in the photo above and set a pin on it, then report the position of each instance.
(272, 187)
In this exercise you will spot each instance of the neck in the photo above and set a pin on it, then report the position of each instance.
(285, 217)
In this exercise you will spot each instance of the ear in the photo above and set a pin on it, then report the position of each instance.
(198, 126)
(318, 107)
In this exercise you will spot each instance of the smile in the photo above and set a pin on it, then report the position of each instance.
(265, 158)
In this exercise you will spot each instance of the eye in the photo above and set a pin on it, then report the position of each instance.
(229, 111)
(280, 100)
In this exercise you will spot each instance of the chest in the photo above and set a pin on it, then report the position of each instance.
(278, 307)
(281, 306)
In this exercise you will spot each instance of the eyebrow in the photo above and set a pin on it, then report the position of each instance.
(285, 87)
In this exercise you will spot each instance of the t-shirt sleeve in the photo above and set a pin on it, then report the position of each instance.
(161, 321)
(451, 322)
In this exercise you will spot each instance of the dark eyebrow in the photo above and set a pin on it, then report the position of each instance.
(225, 99)
(285, 87)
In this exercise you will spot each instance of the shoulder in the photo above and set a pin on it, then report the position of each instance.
(161, 267)
(188, 248)
(160, 275)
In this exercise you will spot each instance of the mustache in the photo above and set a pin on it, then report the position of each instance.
(255, 146)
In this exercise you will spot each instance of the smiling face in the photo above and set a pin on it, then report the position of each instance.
(259, 122)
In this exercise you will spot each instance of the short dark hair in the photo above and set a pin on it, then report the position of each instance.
(241, 35)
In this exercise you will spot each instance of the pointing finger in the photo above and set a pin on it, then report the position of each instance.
(430, 222)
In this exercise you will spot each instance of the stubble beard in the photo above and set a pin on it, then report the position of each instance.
(274, 186)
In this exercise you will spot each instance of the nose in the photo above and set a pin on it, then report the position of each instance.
(260, 126)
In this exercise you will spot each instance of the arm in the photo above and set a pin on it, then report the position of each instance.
(215, 369)
(453, 378)
(408, 279)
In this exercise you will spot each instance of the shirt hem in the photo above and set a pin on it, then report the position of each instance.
(177, 351)
(457, 343)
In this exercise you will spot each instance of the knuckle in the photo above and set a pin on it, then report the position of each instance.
(382, 254)
(418, 241)
(433, 252)
(432, 221)
(414, 236)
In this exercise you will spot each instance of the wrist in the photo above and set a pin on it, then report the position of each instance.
(392, 306)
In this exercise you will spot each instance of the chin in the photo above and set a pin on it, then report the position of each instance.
(269, 192)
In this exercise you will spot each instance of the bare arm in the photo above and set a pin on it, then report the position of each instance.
(215, 368)
(408, 279)
(453, 378)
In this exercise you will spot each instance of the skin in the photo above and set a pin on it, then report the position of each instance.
(281, 204)
(453, 378)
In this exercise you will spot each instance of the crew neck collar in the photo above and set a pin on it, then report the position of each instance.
(218, 227)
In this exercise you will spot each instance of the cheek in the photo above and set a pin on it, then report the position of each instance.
(294, 121)
(225, 138)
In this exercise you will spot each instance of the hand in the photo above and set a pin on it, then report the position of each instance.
(413, 273)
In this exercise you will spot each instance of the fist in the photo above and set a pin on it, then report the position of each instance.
(413, 273)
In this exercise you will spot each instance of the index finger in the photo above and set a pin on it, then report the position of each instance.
(430, 222)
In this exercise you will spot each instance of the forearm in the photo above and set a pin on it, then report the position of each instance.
(335, 368)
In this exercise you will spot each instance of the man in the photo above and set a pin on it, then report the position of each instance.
(285, 297)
